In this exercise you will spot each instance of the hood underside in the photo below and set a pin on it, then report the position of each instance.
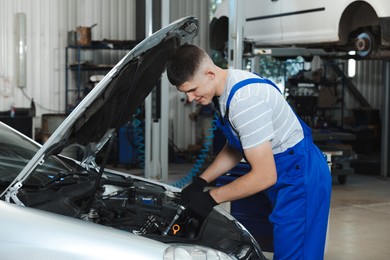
(123, 94)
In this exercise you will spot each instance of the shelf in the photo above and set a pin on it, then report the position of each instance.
(320, 103)
(106, 45)
(319, 136)
(78, 70)
(90, 67)
(330, 107)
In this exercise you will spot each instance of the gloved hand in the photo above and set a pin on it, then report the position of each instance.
(197, 185)
(201, 204)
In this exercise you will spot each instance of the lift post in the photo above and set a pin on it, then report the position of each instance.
(157, 125)
(385, 157)
(236, 34)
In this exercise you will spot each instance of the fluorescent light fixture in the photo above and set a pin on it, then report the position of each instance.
(20, 50)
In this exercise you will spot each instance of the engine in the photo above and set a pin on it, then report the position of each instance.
(138, 207)
(143, 209)
(120, 202)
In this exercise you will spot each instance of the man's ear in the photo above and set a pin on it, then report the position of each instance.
(210, 73)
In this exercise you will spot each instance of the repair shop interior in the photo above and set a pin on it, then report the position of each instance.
(97, 143)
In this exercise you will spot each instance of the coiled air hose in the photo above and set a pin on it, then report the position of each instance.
(201, 156)
(139, 138)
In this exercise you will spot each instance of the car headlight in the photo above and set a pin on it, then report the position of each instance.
(192, 252)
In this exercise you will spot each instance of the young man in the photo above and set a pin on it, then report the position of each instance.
(261, 127)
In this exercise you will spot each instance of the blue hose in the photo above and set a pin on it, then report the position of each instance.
(139, 138)
(201, 156)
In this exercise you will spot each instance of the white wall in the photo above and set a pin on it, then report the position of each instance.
(48, 22)
(182, 129)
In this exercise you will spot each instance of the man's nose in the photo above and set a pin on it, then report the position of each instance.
(190, 97)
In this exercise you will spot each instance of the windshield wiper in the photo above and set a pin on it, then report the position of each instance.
(59, 177)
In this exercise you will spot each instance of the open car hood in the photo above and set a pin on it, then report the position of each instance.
(113, 101)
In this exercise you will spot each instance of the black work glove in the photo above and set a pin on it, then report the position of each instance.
(197, 185)
(201, 204)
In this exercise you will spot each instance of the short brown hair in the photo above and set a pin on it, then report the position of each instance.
(183, 64)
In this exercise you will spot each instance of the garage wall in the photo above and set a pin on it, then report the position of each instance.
(182, 130)
(48, 22)
(369, 82)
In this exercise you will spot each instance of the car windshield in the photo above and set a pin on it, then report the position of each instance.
(16, 151)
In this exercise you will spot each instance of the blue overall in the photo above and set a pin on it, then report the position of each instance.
(301, 195)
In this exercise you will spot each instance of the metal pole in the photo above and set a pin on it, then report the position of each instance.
(236, 34)
(148, 100)
(255, 64)
(385, 157)
(164, 104)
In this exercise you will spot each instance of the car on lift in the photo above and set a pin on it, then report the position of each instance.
(335, 25)
(58, 207)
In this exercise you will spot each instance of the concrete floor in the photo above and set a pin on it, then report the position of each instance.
(360, 219)
(359, 226)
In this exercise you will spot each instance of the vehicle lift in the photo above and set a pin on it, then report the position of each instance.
(239, 48)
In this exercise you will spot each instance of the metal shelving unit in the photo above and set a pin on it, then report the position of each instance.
(78, 68)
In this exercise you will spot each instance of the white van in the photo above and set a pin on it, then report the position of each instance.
(336, 25)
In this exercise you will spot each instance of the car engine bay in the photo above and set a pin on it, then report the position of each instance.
(143, 209)
(138, 207)
(121, 202)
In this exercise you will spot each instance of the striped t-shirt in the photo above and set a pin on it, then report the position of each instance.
(259, 113)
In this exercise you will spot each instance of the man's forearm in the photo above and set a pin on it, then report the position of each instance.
(242, 187)
(225, 161)
(261, 176)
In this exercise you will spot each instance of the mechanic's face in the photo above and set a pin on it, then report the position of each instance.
(200, 88)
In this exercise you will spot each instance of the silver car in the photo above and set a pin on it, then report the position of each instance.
(56, 207)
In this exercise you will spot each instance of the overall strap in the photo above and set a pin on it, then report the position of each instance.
(237, 86)
(245, 82)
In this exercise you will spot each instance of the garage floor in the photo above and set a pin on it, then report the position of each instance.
(359, 225)
(360, 219)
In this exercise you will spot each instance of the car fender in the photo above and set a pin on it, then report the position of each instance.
(28, 233)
